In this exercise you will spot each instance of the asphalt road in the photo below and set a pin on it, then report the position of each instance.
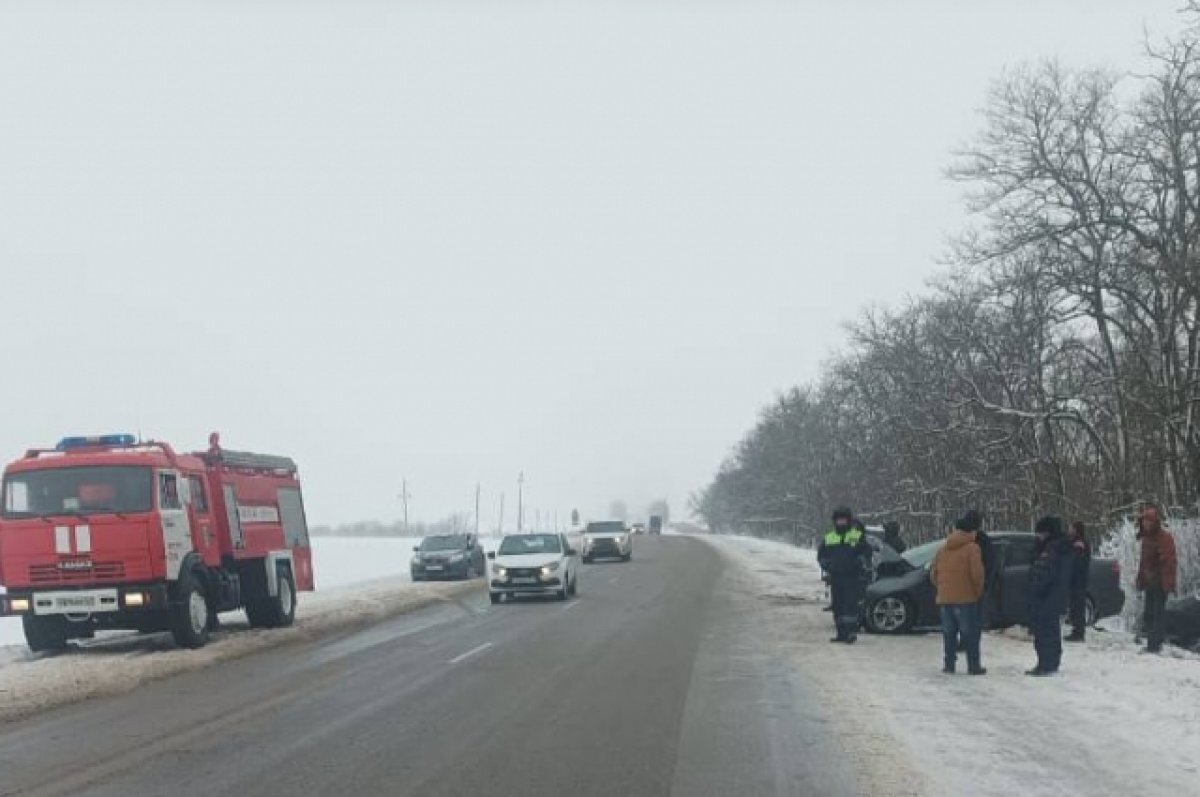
(656, 680)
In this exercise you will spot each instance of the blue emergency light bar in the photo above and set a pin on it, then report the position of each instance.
(68, 443)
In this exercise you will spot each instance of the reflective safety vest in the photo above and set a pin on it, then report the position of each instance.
(851, 537)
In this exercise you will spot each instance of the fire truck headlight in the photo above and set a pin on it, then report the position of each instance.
(135, 599)
(19, 605)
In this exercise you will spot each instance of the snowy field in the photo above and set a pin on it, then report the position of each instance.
(1114, 722)
(358, 581)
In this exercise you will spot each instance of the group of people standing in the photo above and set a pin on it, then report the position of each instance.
(966, 571)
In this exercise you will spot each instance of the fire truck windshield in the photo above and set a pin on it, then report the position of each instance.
(91, 490)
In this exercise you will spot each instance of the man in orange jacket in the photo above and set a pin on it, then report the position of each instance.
(1157, 570)
(957, 572)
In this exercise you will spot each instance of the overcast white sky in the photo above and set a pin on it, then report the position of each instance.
(451, 241)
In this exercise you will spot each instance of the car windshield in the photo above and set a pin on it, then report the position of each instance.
(78, 491)
(605, 527)
(449, 542)
(922, 554)
(530, 543)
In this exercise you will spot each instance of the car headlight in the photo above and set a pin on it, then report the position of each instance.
(500, 572)
(458, 557)
(416, 560)
(550, 568)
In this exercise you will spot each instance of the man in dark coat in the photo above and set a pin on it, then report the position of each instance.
(1049, 585)
(891, 536)
(844, 556)
(1081, 567)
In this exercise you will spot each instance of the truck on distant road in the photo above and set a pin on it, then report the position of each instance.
(110, 532)
(656, 524)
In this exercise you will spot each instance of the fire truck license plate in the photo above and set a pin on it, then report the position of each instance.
(84, 601)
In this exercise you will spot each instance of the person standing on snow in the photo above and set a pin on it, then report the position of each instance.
(1156, 577)
(844, 556)
(1049, 584)
(891, 535)
(957, 572)
(1081, 566)
(972, 521)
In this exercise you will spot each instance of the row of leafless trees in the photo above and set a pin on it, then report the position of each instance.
(1056, 366)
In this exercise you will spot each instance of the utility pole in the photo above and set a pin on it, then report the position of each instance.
(521, 502)
(476, 509)
(404, 495)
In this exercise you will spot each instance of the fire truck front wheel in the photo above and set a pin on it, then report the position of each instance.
(189, 612)
(44, 634)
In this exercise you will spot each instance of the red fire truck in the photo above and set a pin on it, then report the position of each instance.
(111, 532)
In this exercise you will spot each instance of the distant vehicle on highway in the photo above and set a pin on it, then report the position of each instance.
(905, 600)
(533, 564)
(656, 524)
(607, 539)
(448, 556)
(638, 528)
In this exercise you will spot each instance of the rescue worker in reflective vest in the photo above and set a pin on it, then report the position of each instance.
(845, 555)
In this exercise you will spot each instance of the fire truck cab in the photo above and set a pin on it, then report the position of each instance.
(110, 532)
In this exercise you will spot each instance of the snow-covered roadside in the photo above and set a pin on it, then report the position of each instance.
(1114, 722)
(121, 662)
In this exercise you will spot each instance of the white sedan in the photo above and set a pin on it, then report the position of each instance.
(533, 564)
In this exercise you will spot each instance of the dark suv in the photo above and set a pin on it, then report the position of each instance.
(448, 556)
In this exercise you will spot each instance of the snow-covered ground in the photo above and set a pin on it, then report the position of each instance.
(1113, 722)
(359, 581)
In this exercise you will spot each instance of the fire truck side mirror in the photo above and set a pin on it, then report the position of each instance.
(491, 554)
(416, 549)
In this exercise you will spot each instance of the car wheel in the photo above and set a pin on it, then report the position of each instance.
(628, 557)
(189, 613)
(890, 615)
(575, 586)
(495, 596)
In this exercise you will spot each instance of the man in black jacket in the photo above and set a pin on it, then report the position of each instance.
(891, 536)
(1081, 566)
(844, 556)
(1049, 585)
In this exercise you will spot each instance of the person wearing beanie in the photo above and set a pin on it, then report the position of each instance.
(957, 573)
(844, 556)
(1049, 586)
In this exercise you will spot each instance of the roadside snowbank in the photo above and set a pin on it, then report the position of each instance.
(1114, 722)
(117, 663)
